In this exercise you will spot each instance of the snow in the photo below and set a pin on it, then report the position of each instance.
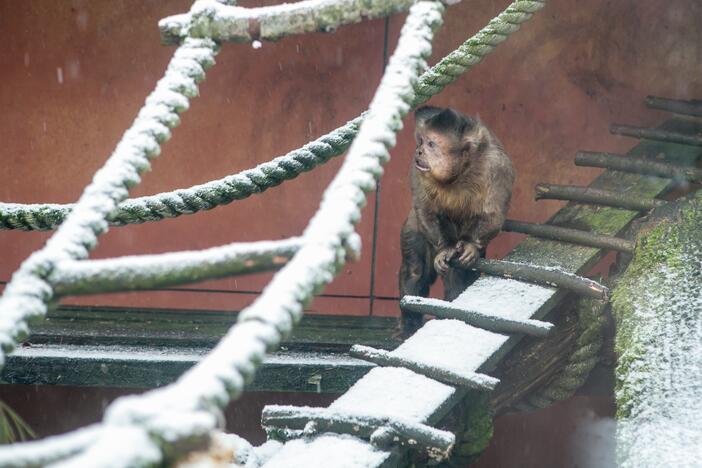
(44, 451)
(451, 344)
(505, 297)
(662, 389)
(394, 392)
(327, 450)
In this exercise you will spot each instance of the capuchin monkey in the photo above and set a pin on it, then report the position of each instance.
(461, 182)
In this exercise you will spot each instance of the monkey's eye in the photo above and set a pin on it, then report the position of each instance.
(430, 144)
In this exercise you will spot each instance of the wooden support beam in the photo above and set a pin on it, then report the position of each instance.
(575, 236)
(656, 134)
(462, 379)
(493, 322)
(545, 276)
(595, 197)
(677, 106)
(618, 162)
(149, 348)
(382, 431)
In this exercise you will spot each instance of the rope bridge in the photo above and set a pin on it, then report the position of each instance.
(166, 424)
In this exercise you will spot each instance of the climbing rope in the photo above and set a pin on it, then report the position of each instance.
(585, 355)
(274, 172)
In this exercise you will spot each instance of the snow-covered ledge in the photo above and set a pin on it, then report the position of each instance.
(658, 309)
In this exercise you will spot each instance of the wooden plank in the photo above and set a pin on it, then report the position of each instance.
(160, 327)
(517, 300)
(146, 367)
(143, 348)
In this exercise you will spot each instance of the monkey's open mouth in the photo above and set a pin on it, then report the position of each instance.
(421, 165)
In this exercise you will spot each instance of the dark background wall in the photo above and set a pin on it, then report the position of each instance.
(74, 74)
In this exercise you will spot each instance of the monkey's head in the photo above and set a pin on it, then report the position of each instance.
(449, 143)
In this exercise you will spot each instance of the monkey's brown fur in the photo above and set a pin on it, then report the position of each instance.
(461, 182)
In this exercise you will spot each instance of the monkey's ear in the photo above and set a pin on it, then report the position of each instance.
(425, 113)
(476, 136)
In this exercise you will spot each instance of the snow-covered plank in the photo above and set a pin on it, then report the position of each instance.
(338, 450)
(434, 370)
(392, 392)
(148, 366)
(489, 321)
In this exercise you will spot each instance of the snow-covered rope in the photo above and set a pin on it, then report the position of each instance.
(289, 166)
(209, 18)
(48, 450)
(183, 415)
(27, 294)
(139, 272)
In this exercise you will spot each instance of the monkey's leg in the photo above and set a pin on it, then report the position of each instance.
(458, 279)
(416, 273)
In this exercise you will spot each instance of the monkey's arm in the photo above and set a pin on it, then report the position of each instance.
(490, 221)
(435, 229)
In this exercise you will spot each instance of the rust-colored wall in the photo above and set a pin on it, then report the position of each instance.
(551, 89)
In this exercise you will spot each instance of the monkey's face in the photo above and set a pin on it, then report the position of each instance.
(439, 156)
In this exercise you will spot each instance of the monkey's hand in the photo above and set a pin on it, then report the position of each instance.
(443, 258)
(467, 252)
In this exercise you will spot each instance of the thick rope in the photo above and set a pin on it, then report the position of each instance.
(272, 173)
(590, 329)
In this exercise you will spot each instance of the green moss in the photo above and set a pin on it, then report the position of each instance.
(477, 427)
(661, 246)
(607, 220)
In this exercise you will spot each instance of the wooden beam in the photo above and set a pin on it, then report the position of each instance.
(113, 347)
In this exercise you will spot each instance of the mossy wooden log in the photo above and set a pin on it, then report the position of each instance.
(595, 196)
(575, 236)
(657, 305)
(656, 134)
(693, 107)
(618, 162)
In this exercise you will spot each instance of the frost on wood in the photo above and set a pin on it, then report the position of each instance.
(383, 431)
(435, 370)
(658, 309)
(156, 271)
(27, 294)
(209, 18)
(494, 321)
(325, 449)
